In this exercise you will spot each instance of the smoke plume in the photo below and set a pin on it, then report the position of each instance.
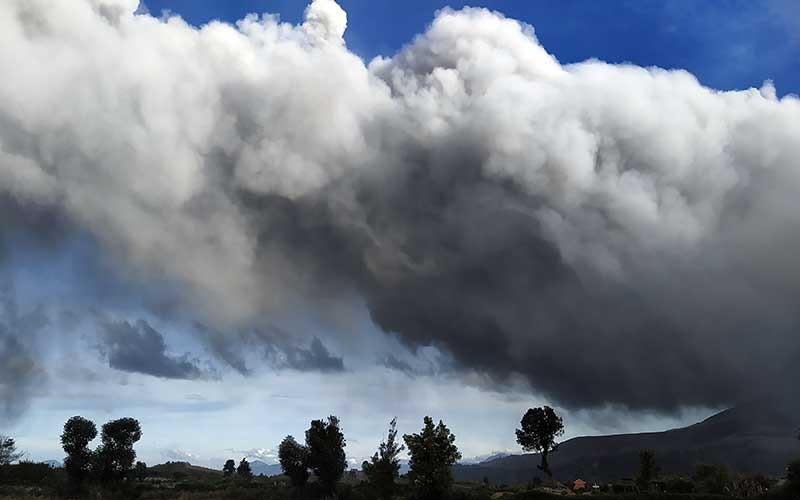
(615, 234)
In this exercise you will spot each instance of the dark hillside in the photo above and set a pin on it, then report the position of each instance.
(749, 438)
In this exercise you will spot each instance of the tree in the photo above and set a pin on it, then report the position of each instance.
(243, 470)
(229, 468)
(713, 479)
(115, 456)
(648, 469)
(140, 471)
(679, 484)
(433, 453)
(793, 478)
(749, 486)
(384, 468)
(78, 433)
(793, 472)
(540, 428)
(8, 450)
(293, 457)
(326, 455)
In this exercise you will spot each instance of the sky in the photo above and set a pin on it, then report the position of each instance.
(227, 218)
(732, 44)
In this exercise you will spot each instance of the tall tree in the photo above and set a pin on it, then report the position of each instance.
(540, 428)
(229, 468)
(8, 450)
(293, 457)
(433, 453)
(327, 459)
(648, 469)
(78, 433)
(384, 468)
(244, 471)
(115, 456)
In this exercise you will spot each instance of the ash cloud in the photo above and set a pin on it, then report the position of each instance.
(139, 348)
(617, 235)
(20, 369)
(314, 358)
(18, 373)
(24, 230)
(394, 363)
(276, 347)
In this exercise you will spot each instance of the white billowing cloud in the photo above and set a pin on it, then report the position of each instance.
(326, 20)
(161, 139)
(123, 125)
(629, 159)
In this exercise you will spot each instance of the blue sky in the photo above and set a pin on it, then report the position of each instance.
(726, 44)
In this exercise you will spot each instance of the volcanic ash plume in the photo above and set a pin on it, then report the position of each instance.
(615, 234)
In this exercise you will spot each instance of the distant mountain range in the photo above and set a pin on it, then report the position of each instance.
(485, 458)
(751, 438)
(258, 467)
(169, 469)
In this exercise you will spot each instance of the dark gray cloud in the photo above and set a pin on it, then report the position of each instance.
(466, 268)
(139, 348)
(227, 347)
(279, 348)
(315, 357)
(440, 363)
(392, 362)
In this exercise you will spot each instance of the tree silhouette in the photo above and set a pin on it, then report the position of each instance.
(115, 456)
(293, 457)
(229, 468)
(78, 433)
(243, 470)
(384, 468)
(433, 453)
(326, 455)
(540, 428)
(140, 471)
(713, 479)
(793, 478)
(8, 450)
(648, 469)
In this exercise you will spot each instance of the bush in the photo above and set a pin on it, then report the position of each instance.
(793, 478)
(679, 485)
(28, 473)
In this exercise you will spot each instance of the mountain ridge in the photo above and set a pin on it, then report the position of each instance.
(751, 438)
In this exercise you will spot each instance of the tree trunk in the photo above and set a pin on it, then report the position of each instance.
(545, 467)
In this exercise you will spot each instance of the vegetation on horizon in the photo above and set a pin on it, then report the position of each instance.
(317, 470)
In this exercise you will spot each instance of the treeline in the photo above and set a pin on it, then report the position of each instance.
(707, 479)
(109, 466)
(432, 452)
(112, 461)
